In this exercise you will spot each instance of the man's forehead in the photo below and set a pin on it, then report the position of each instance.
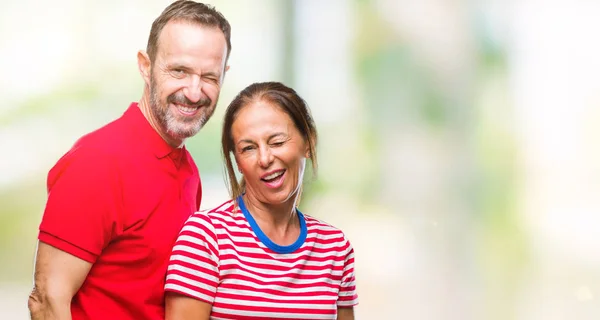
(188, 32)
(187, 41)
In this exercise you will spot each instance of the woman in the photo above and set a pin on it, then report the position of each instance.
(257, 256)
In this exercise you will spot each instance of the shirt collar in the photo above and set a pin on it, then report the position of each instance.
(148, 136)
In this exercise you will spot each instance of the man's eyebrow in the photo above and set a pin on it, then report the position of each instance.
(211, 74)
(178, 65)
(183, 66)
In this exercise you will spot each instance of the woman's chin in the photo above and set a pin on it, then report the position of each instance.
(277, 198)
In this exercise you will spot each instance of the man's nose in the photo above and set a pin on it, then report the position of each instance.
(193, 91)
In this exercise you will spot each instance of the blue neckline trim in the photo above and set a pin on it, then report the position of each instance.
(265, 240)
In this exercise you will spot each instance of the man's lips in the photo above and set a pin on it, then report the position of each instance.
(188, 110)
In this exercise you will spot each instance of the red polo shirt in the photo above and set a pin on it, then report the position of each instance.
(118, 199)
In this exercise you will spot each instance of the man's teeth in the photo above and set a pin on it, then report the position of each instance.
(186, 109)
(273, 175)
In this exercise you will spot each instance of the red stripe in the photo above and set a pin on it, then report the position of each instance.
(239, 307)
(231, 286)
(190, 287)
(294, 274)
(279, 282)
(198, 268)
(304, 255)
(258, 297)
(188, 276)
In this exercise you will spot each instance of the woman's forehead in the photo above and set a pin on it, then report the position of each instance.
(261, 118)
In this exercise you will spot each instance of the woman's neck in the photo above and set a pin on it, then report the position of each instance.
(279, 222)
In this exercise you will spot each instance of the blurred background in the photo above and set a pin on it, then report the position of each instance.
(459, 140)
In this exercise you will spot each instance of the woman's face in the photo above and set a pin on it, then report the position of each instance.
(269, 151)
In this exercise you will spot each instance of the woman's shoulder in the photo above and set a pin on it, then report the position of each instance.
(322, 227)
(225, 211)
(327, 236)
(227, 207)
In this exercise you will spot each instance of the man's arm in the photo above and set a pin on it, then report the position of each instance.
(58, 276)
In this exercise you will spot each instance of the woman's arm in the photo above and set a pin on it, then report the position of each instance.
(345, 313)
(180, 307)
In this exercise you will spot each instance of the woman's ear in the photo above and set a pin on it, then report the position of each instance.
(237, 165)
(307, 153)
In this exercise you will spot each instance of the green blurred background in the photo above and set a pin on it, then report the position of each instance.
(458, 139)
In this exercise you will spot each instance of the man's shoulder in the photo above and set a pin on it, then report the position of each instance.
(108, 139)
(105, 146)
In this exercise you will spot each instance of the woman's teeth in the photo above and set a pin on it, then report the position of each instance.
(274, 175)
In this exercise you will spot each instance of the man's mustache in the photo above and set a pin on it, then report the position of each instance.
(179, 98)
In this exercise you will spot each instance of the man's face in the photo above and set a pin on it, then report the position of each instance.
(186, 78)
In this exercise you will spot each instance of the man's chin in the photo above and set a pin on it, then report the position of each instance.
(182, 134)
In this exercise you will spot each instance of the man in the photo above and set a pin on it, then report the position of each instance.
(118, 198)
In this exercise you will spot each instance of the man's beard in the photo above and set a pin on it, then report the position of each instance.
(179, 128)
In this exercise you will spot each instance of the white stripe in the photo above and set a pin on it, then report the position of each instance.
(276, 305)
(193, 272)
(190, 282)
(276, 315)
(288, 256)
(253, 293)
(348, 303)
(201, 235)
(192, 293)
(222, 207)
(325, 278)
(285, 289)
(310, 243)
(300, 267)
(289, 280)
(249, 233)
(188, 259)
(317, 235)
(275, 264)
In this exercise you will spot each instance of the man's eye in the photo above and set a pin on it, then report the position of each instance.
(211, 79)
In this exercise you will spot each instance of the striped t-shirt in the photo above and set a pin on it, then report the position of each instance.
(223, 258)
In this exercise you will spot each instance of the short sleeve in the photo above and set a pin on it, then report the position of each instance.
(347, 296)
(80, 217)
(199, 196)
(194, 264)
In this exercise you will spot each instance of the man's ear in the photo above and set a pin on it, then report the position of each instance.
(144, 66)
(224, 73)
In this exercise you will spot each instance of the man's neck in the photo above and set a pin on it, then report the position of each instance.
(146, 109)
